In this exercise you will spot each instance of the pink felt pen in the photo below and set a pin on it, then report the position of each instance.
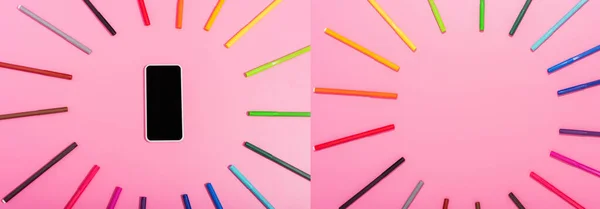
(114, 198)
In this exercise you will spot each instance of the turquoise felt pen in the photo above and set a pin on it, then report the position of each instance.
(250, 187)
(560, 22)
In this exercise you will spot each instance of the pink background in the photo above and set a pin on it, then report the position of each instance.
(476, 112)
(105, 101)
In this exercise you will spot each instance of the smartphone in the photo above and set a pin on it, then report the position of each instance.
(163, 103)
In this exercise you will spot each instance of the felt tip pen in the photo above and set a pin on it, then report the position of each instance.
(143, 202)
(114, 198)
(556, 26)
(578, 132)
(86, 181)
(578, 87)
(213, 196)
(186, 201)
(573, 59)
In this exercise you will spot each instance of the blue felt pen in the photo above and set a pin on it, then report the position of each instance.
(250, 187)
(579, 87)
(186, 201)
(573, 59)
(213, 196)
(556, 26)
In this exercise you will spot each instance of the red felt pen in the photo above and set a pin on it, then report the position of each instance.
(353, 137)
(144, 12)
(82, 187)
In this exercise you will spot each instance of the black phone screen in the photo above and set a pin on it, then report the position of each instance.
(164, 103)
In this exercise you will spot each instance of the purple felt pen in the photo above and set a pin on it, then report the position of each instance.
(578, 132)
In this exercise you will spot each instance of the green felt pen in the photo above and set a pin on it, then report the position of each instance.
(276, 160)
(481, 15)
(519, 18)
(278, 114)
(437, 16)
(277, 61)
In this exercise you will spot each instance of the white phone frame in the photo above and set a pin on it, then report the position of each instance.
(146, 104)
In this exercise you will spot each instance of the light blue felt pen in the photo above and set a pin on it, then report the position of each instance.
(573, 59)
(248, 185)
(562, 21)
(578, 87)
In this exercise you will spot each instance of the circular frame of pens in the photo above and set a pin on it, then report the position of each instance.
(389, 95)
(179, 19)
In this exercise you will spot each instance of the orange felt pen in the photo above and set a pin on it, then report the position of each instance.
(213, 15)
(384, 95)
(362, 49)
(179, 21)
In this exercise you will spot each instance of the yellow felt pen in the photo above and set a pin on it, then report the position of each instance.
(389, 21)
